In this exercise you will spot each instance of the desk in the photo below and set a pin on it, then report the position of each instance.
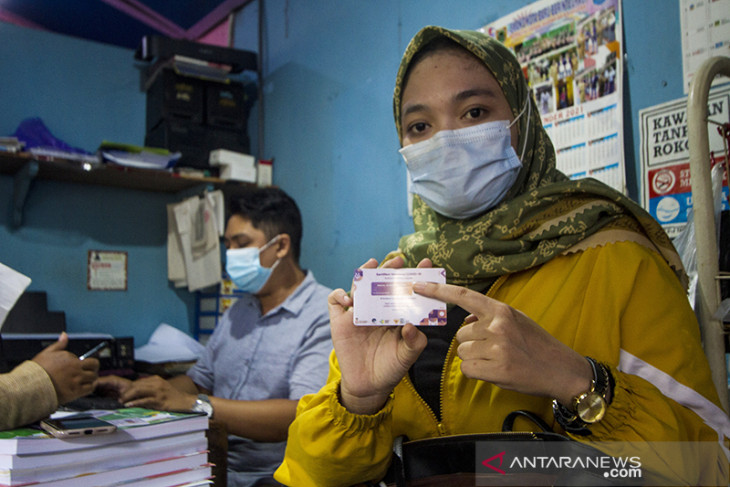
(218, 455)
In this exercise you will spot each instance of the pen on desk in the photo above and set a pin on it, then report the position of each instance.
(94, 350)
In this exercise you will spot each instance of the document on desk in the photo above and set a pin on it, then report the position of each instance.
(168, 344)
(12, 285)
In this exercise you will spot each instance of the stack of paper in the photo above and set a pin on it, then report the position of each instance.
(136, 156)
(149, 449)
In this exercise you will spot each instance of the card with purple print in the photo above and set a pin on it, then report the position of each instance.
(385, 297)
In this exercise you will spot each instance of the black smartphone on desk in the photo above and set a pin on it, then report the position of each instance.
(76, 426)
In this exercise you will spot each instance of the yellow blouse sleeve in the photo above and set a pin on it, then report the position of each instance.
(329, 446)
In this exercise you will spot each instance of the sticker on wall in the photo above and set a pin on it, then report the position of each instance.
(107, 270)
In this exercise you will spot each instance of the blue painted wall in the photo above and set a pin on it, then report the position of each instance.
(328, 107)
(329, 69)
(85, 92)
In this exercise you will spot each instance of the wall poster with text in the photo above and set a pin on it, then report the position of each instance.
(570, 52)
(666, 187)
(705, 34)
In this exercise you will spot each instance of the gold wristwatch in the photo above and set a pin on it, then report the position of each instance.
(589, 407)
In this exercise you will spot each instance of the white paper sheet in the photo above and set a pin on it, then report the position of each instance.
(199, 242)
(12, 285)
(168, 344)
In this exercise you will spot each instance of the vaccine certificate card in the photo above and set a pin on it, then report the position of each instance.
(385, 297)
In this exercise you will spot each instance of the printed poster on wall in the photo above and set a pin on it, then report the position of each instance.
(705, 34)
(666, 187)
(570, 51)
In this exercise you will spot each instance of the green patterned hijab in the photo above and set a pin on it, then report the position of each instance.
(543, 215)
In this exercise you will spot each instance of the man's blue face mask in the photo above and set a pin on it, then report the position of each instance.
(245, 270)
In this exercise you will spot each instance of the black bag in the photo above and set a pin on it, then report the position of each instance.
(452, 460)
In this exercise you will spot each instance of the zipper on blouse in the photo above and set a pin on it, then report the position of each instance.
(432, 415)
(449, 358)
(450, 355)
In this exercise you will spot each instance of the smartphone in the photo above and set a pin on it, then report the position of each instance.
(73, 426)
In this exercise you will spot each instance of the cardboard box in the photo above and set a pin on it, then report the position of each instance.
(234, 165)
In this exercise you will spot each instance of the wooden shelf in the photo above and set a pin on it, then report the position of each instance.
(25, 168)
(105, 174)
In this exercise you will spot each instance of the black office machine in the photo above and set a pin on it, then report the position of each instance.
(194, 104)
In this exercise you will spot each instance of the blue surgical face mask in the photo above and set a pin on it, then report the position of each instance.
(244, 267)
(465, 172)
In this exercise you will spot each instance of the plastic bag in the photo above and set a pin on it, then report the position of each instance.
(685, 241)
(35, 134)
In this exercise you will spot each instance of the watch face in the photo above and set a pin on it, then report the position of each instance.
(590, 407)
(203, 407)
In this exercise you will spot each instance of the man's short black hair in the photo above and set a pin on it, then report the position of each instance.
(273, 212)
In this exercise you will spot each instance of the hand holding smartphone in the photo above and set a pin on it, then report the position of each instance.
(76, 426)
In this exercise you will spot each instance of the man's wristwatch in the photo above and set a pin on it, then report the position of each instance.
(589, 407)
(203, 405)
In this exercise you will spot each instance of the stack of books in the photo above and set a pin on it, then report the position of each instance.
(148, 449)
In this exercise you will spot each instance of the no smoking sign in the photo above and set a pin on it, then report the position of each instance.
(663, 181)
